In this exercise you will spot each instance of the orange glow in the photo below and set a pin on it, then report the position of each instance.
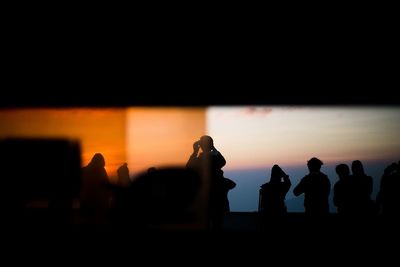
(162, 136)
(99, 130)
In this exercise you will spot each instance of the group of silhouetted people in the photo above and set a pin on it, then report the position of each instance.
(351, 194)
(98, 195)
(174, 195)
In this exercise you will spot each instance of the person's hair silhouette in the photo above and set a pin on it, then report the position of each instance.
(95, 190)
(363, 185)
(343, 192)
(316, 188)
(123, 175)
(272, 205)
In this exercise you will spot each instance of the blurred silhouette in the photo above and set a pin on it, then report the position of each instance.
(226, 185)
(119, 191)
(40, 179)
(151, 170)
(163, 199)
(209, 164)
(123, 175)
(388, 197)
(316, 188)
(363, 185)
(343, 192)
(272, 205)
(95, 190)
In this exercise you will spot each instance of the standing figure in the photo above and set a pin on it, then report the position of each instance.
(209, 164)
(316, 188)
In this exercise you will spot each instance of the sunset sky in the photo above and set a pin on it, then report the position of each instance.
(99, 130)
(254, 137)
(248, 137)
(162, 136)
(142, 137)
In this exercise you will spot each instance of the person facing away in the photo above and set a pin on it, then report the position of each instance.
(343, 191)
(123, 175)
(316, 188)
(388, 195)
(95, 193)
(273, 193)
(363, 188)
(209, 164)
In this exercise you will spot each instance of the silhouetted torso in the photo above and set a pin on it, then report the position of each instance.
(343, 196)
(363, 185)
(388, 195)
(316, 188)
(95, 191)
(209, 165)
(362, 194)
(123, 175)
(343, 192)
(273, 197)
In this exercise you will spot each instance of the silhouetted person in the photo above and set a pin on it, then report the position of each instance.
(209, 164)
(388, 195)
(343, 192)
(119, 192)
(123, 175)
(95, 190)
(272, 205)
(151, 170)
(316, 188)
(363, 188)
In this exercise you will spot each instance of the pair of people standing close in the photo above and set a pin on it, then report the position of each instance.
(352, 193)
(209, 163)
(315, 186)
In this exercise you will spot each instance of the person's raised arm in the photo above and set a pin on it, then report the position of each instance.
(299, 189)
(193, 157)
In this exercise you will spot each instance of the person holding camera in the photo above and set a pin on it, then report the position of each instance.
(272, 207)
(209, 163)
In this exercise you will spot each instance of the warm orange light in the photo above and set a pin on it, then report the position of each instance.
(99, 130)
(162, 136)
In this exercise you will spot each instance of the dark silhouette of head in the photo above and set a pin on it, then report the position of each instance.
(97, 161)
(314, 164)
(151, 170)
(276, 174)
(357, 168)
(206, 143)
(342, 170)
(391, 168)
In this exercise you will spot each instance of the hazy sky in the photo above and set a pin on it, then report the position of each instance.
(253, 137)
(248, 137)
